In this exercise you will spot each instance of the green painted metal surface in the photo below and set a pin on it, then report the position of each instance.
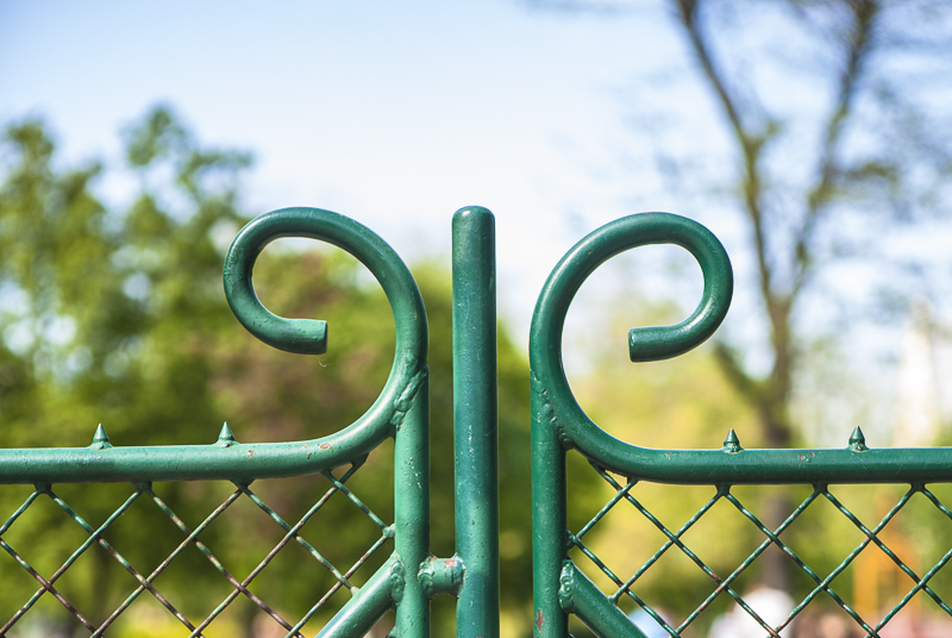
(403, 582)
(475, 420)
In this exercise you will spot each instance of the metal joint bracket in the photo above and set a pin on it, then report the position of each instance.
(441, 575)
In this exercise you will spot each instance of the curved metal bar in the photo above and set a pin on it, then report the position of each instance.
(665, 342)
(308, 336)
(228, 459)
(556, 407)
(645, 344)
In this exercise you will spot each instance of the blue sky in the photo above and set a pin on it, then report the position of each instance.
(396, 114)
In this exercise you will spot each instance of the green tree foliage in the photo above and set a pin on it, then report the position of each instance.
(114, 314)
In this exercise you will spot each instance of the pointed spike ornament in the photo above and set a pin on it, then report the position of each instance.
(100, 439)
(732, 443)
(858, 440)
(225, 437)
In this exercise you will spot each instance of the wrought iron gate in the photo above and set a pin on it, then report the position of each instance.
(403, 581)
(561, 427)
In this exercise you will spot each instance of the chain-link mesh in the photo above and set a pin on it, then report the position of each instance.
(854, 569)
(211, 559)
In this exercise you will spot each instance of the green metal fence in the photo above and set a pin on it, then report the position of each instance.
(560, 427)
(406, 576)
(396, 575)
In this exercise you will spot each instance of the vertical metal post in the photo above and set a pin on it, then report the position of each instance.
(548, 519)
(475, 421)
(412, 514)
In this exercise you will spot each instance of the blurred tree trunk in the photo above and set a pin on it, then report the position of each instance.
(786, 264)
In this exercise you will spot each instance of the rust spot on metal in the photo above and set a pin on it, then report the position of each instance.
(540, 620)
(325, 446)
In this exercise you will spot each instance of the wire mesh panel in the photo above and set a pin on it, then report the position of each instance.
(871, 560)
(687, 564)
(233, 538)
(114, 557)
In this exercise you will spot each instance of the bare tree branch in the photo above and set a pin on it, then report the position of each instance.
(859, 45)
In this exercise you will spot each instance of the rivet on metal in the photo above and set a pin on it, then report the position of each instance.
(100, 439)
(226, 438)
(858, 440)
(732, 443)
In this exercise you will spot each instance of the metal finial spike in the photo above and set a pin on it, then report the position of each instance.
(225, 437)
(858, 440)
(731, 442)
(101, 439)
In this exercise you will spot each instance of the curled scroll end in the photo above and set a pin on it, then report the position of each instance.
(300, 336)
(664, 342)
(656, 343)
